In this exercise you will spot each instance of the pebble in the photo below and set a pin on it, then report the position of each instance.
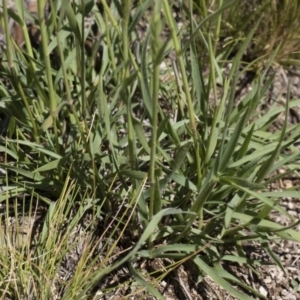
(263, 291)
(268, 279)
(287, 295)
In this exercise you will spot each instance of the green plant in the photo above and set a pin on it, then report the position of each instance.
(295, 284)
(279, 26)
(159, 168)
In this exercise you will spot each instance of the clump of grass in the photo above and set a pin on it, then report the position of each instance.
(279, 26)
(125, 180)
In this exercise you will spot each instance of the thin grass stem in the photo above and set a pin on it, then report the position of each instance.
(192, 118)
(48, 69)
(154, 207)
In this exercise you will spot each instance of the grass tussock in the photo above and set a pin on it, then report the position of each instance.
(277, 31)
(112, 164)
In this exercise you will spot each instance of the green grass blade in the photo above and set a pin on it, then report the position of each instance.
(203, 267)
(151, 289)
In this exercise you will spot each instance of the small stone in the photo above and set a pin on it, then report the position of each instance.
(268, 279)
(163, 284)
(286, 295)
(263, 291)
(293, 213)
